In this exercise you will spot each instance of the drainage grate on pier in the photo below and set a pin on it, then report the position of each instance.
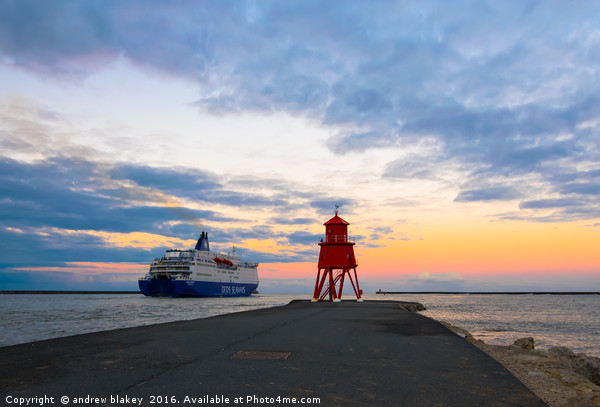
(260, 354)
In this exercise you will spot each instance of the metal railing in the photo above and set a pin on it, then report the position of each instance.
(337, 239)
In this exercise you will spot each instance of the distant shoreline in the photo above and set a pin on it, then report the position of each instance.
(495, 292)
(65, 292)
(377, 292)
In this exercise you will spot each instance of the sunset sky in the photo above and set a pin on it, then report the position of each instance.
(461, 140)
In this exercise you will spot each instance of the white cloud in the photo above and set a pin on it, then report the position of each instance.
(447, 276)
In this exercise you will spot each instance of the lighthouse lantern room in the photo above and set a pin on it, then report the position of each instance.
(336, 262)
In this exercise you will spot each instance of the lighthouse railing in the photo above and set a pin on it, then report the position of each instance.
(338, 239)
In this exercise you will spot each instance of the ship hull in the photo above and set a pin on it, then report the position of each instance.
(165, 287)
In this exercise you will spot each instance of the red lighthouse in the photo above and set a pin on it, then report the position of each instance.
(336, 260)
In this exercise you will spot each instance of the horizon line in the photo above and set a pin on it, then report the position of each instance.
(376, 292)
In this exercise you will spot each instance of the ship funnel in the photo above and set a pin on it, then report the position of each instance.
(203, 242)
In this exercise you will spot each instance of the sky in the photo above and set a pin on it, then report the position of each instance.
(460, 140)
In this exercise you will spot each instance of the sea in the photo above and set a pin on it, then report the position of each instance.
(552, 320)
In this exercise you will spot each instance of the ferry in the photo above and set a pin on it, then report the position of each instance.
(198, 272)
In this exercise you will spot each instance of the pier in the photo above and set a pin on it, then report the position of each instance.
(375, 353)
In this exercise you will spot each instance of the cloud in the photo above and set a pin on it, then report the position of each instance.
(74, 194)
(327, 206)
(303, 238)
(74, 39)
(173, 179)
(71, 210)
(426, 281)
(412, 168)
(449, 276)
(292, 221)
(506, 93)
(189, 183)
(61, 202)
(29, 129)
(584, 188)
(550, 203)
(78, 194)
(492, 193)
(52, 247)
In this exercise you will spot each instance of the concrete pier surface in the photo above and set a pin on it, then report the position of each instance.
(330, 354)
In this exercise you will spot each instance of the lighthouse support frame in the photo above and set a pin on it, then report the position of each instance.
(335, 294)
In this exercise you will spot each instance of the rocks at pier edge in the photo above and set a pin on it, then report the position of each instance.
(558, 376)
(525, 343)
(412, 306)
(587, 366)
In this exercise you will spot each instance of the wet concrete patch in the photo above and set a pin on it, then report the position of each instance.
(260, 354)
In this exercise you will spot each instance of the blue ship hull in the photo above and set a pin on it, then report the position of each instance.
(164, 287)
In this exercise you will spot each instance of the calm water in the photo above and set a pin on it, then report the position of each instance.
(553, 320)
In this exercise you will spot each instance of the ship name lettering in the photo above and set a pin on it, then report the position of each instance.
(227, 289)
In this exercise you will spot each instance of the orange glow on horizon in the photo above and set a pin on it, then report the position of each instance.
(453, 250)
(460, 249)
(489, 248)
(287, 270)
